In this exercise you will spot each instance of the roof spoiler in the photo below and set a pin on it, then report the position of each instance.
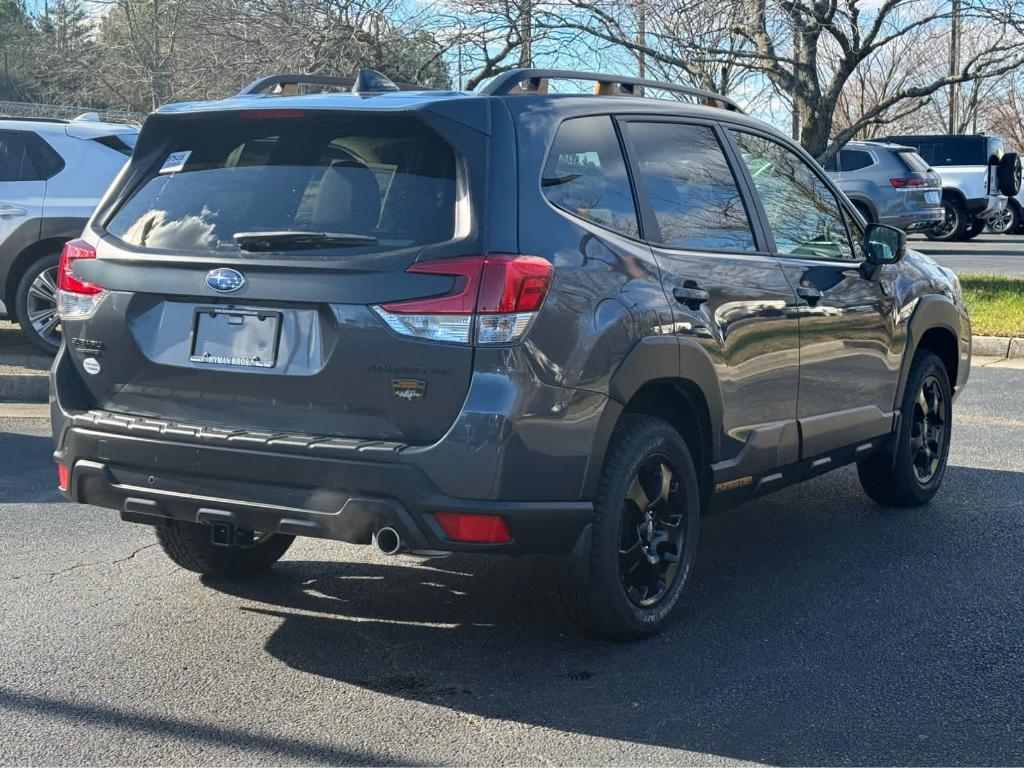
(367, 81)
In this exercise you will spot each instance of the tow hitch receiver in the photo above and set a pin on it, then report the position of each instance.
(227, 535)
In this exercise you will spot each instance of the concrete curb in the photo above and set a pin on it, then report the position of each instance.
(997, 346)
(24, 387)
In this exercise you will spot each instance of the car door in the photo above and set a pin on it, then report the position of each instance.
(21, 189)
(849, 346)
(730, 296)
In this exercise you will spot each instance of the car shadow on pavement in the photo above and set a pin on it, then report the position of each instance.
(817, 629)
(21, 457)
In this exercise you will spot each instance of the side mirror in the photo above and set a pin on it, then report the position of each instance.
(884, 244)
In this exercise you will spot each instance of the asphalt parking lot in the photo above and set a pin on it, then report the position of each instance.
(817, 629)
(986, 254)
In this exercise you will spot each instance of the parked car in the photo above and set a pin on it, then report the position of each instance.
(52, 175)
(888, 183)
(1009, 221)
(977, 178)
(510, 322)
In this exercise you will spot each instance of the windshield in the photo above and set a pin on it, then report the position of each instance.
(388, 180)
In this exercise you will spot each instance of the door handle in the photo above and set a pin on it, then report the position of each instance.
(690, 295)
(811, 295)
(8, 211)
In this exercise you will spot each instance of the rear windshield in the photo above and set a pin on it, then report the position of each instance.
(913, 161)
(389, 181)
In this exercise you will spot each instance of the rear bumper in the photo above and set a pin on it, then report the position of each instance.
(986, 207)
(528, 471)
(915, 220)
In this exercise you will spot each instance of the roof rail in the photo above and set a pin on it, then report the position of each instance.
(268, 82)
(535, 81)
(26, 119)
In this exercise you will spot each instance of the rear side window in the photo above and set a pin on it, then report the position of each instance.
(123, 143)
(854, 160)
(687, 179)
(949, 150)
(387, 181)
(585, 174)
(15, 163)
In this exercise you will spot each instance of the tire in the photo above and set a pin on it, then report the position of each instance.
(1009, 174)
(902, 475)
(35, 303)
(976, 227)
(626, 596)
(1006, 222)
(190, 546)
(954, 223)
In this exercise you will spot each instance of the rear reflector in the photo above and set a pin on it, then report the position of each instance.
(906, 183)
(76, 298)
(498, 293)
(481, 529)
(63, 476)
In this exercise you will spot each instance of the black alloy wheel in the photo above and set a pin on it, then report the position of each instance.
(652, 535)
(928, 430)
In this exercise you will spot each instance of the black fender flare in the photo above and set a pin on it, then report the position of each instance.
(860, 200)
(931, 312)
(653, 359)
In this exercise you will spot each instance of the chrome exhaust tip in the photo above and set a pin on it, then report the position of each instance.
(388, 541)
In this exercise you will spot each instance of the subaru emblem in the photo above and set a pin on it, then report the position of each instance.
(225, 279)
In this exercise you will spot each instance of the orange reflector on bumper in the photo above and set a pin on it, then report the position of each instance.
(63, 476)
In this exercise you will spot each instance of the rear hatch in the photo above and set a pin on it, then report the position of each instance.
(922, 185)
(242, 254)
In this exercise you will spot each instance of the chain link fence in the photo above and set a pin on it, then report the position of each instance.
(65, 112)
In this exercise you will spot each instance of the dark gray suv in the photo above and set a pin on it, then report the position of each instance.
(512, 322)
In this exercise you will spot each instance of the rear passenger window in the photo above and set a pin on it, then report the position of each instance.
(694, 195)
(15, 164)
(854, 160)
(586, 175)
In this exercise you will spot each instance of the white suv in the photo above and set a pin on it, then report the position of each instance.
(977, 178)
(52, 175)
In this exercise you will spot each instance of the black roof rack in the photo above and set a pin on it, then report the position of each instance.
(264, 84)
(535, 81)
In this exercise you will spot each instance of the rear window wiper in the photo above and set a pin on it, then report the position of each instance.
(295, 240)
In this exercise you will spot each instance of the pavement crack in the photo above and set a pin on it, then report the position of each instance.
(51, 575)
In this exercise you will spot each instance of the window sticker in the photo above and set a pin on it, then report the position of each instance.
(175, 161)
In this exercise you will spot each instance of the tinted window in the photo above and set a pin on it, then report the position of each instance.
(15, 164)
(832, 164)
(690, 186)
(119, 142)
(48, 163)
(854, 160)
(805, 217)
(586, 175)
(948, 150)
(389, 178)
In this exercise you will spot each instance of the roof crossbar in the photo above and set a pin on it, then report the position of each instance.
(536, 81)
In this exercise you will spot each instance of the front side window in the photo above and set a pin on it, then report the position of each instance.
(585, 174)
(804, 215)
(15, 164)
(334, 183)
(687, 179)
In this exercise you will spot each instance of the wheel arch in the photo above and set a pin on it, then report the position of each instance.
(673, 379)
(53, 234)
(934, 326)
(863, 202)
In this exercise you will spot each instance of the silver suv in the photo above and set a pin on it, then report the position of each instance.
(52, 175)
(889, 184)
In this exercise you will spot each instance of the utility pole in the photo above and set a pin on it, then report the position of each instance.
(954, 67)
(641, 37)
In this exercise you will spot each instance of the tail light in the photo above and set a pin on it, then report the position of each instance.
(76, 298)
(482, 529)
(494, 300)
(908, 183)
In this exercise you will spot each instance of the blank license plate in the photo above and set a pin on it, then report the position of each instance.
(932, 197)
(235, 337)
